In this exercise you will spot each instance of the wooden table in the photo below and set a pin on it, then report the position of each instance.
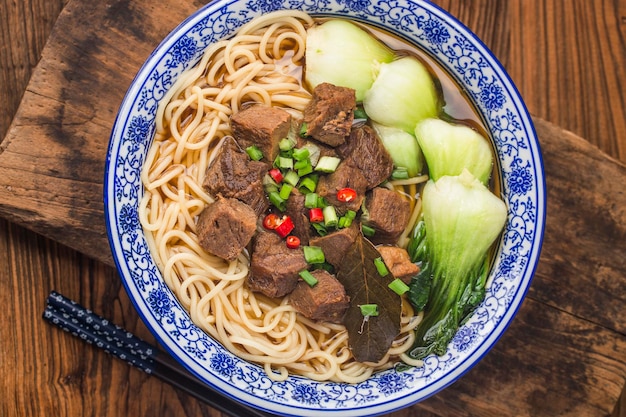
(563, 355)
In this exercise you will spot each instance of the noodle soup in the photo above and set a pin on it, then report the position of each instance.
(263, 64)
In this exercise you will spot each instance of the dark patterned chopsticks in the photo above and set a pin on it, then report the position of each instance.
(93, 329)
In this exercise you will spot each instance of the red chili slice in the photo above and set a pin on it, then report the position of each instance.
(276, 175)
(271, 221)
(285, 227)
(292, 242)
(345, 195)
(316, 215)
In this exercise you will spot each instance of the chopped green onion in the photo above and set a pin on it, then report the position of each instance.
(381, 267)
(301, 154)
(303, 128)
(344, 221)
(305, 168)
(367, 230)
(292, 178)
(308, 277)
(285, 163)
(269, 185)
(350, 214)
(314, 152)
(321, 202)
(309, 182)
(400, 173)
(286, 144)
(327, 164)
(320, 229)
(359, 113)
(369, 310)
(330, 216)
(285, 191)
(310, 200)
(398, 286)
(254, 153)
(278, 201)
(313, 254)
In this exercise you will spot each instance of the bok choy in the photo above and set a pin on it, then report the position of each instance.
(341, 53)
(461, 220)
(403, 148)
(402, 95)
(450, 148)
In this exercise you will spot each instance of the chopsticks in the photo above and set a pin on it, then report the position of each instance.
(96, 330)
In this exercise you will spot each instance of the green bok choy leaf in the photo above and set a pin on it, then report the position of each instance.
(461, 220)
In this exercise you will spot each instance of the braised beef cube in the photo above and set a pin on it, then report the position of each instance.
(274, 267)
(336, 244)
(225, 227)
(388, 213)
(299, 216)
(330, 113)
(364, 150)
(399, 263)
(325, 301)
(261, 126)
(345, 176)
(232, 174)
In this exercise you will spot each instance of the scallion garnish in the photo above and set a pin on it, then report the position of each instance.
(398, 286)
(300, 154)
(309, 183)
(303, 128)
(310, 200)
(279, 202)
(313, 254)
(285, 191)
(400, 173)
(330, 216)
(369, 310)
(291, 177)
(286, 144)
(367, 230)
(285, 163)
(327, 164)
(308, 277)
(254, 153)
(359, 113)
(381, 267)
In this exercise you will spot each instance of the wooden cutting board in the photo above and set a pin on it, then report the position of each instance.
(571, 327)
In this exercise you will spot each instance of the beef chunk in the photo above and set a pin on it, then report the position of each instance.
(225, 227)
(273, 266)
(326, 301)
(336, 244)
(298, 213)
(399, 263)
(262, 126)
(364, 150)
(388, 214)
(330, 113)
(344, 176)
(232, 174)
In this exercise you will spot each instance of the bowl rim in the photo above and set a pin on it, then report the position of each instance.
(164, 337)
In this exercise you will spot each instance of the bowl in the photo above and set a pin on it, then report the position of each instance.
(518, 158)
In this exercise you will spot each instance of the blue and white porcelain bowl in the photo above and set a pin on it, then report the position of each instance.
(518, 156)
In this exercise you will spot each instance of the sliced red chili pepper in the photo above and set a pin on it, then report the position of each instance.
(285, 227)
(345, 195)
(271, 221)
(292, 242)
(316, 215)
(276, 175)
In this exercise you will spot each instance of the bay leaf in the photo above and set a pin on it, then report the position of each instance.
(369, 339)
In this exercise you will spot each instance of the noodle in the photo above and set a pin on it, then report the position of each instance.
(258, 65)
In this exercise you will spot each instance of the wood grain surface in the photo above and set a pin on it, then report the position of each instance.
(563, 355)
